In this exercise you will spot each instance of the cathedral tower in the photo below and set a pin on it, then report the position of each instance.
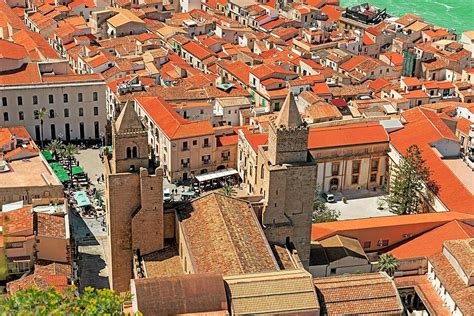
(287, 181)
(134, 199)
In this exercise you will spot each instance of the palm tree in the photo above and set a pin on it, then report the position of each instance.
(228, 190)
(99, 195)
(388, 264)
(69, 151)
(55, 147)
(41, 115)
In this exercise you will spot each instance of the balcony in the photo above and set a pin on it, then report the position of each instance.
(206, 162)
(185, 148)
(185, 165)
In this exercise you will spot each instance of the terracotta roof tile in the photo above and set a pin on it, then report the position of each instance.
(454, 285)
(423, 287)
(423, 128)
(12, 50)
(464, 125)
(18, 221)
(373, 293)
(273, 293)
(255, 139)
(431, 242)
(419, 222)
(189, 294)
(197, 50)
(170, 122)
(223, 236)
(51, 225)
(356, 134)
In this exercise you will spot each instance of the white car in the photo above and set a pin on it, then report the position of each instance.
(328, 197)
(166, 195)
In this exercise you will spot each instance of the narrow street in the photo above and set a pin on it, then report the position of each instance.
(90, 232)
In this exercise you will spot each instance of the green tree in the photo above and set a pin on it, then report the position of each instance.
(322, 213)
(41, 115)
(33, 301)
(55, 147)
(69, 151)
(388, 264)
(407, 186)
(228, 190)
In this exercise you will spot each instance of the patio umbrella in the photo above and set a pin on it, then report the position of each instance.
(77, 170)
(47, 155)
(82, 198)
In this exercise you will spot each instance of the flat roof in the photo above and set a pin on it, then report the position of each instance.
(31, 172)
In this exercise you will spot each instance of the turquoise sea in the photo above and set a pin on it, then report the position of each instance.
(451, 14)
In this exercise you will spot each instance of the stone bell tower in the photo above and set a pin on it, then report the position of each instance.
(134, 199)
(287, 180)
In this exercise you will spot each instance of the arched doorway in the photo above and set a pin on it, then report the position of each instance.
(334, 184)
(221, 167)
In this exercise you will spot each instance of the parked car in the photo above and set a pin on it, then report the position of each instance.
(166, 195)
(328, 197)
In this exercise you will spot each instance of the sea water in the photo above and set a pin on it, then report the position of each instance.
(450, 14)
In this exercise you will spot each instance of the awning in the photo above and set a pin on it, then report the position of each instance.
(188, 193)
(60, 172)
(47, 155)
(216, 175)
(77, 170)
(82, 198)
(62, 175)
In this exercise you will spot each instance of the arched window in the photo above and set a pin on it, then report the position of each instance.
(262, 172)
(129, 152)
(135, 152)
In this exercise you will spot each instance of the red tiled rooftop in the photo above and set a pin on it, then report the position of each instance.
(255, 139)
(170, 122)
(197, 50)
(10, 50)
(464, 125)
(18, 221)
(227, 140)
(51, 225)
(321, 88)
(425, 291)
(337, 136)
(367, 40)
(423, 128)
(223, 235)
(323, 230)
(411, 81)
(378, 84)
(333, 12)
(431, 242)
(415, 94)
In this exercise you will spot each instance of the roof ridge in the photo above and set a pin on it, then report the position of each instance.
(431, 122)
(461, 225)
(220, 207)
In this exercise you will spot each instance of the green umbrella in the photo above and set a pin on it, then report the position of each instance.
(77, 170)
(47, 155)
